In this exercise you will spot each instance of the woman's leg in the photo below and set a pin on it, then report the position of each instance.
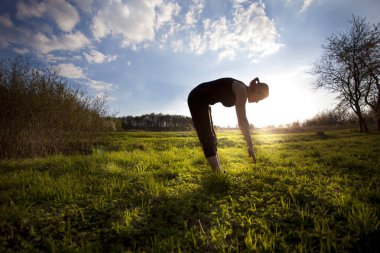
(202, 120)
(213, 160)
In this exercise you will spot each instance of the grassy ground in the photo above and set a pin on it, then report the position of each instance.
(154, 192)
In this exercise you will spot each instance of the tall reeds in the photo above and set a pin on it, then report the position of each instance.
(42, 113)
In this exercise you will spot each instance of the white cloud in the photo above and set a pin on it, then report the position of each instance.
(84, 5)
(196, 44)
(239, 1)
(103, 96)
(227, 54)
(6, 21)
(165, 13)
(53, 58)
(69, 70)
(3, 42)
(135, 20)
(41, 42)
(99, 28)
(218, 36)
(245, 30)
(177, 45)
(194, 11)
(33, 9)
(248, 32)
(97, 57)
(64, 14)
(99, 85)
(256, 31)
(70, 42)
(306, 4)
(21, 50)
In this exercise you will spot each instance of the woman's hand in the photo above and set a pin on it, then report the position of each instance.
(251, 153)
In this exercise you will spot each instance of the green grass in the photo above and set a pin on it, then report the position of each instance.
(154, 192)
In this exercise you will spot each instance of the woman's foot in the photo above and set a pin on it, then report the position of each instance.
(215, 164)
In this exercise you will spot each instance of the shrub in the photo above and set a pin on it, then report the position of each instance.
(42, 113)
(334, 117)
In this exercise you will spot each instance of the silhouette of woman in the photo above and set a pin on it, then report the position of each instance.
(230, 92)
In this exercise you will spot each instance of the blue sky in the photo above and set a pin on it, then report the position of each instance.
(146, 55)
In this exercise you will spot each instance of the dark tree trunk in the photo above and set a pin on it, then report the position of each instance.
(361, 120)
(377, 112)
(363, 125)
(360, 125)
(366, 130)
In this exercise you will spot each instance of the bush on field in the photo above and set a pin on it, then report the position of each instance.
(41, 113)
(335, 117)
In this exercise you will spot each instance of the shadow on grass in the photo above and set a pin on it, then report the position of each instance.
(191, 220)
(133, 217)
(169, 219)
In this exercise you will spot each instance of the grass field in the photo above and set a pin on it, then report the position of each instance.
(154, 192)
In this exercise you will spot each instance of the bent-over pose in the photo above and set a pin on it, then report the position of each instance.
(230, 92)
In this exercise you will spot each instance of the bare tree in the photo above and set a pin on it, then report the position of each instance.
(349, 67)
(369, 57)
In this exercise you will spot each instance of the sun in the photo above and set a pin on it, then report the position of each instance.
(289, 101)
(292, 98)
(224, 116)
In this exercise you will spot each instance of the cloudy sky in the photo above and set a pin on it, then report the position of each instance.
(147, 55)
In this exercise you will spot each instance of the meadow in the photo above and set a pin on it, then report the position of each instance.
(154, 192)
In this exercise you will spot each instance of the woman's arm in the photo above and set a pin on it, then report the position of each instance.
(241, 98)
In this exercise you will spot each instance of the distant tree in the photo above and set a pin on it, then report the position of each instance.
(157, 122)
(349, 67)
(294, 125)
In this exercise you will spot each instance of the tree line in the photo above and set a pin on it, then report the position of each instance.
(157, 122)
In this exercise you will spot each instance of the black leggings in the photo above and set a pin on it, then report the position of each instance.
(202, 120)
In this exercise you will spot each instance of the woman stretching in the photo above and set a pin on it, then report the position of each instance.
(230, 92)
